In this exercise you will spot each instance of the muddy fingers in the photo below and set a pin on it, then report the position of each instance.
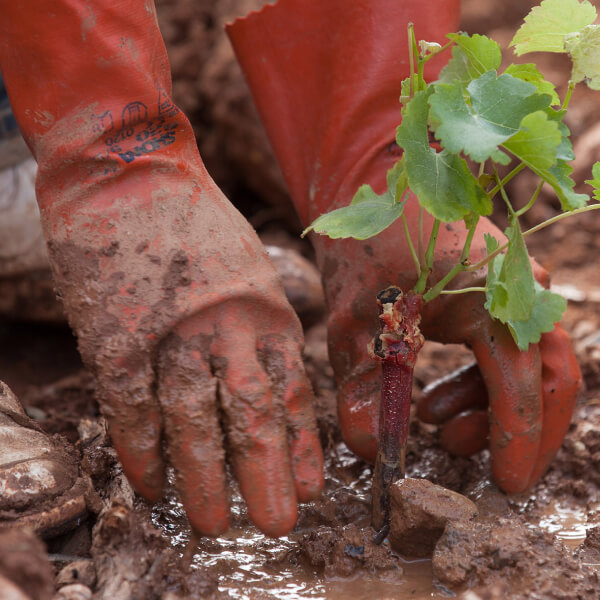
(305, 448)
(125, 389)
(561, 381)
(466, 433)
(514, 384)
(463, 389)
(187, 393)
(457, 402)
(255, 424)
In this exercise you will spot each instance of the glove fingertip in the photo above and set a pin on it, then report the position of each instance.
(307, 466)
(466, 434)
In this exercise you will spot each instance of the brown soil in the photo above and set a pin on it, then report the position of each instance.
(544, 544)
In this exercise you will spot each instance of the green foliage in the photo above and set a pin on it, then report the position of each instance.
(478, 128)
(510, 285)
(368, 214)
(547, 25)
(494, 119)
(471, 57)
(529, 72)
(548, 310)
(532, 310)
(595, 183)
(441, 180)
(584, 48)
(537, 141)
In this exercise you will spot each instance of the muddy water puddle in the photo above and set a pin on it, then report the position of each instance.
(248, 564)
(568, 523)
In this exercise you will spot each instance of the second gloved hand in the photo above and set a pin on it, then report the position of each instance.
(326, 78)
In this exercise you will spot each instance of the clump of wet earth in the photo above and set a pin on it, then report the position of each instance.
(544, 544)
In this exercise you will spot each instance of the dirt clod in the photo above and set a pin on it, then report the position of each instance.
(79, 571)
(529, 562)
(420, 511)
(342, 552)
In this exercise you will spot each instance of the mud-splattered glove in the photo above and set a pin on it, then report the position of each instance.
(326, 79)
(177, 310)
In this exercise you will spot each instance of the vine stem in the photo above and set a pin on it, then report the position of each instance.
(411, 246)
(396, 346)
(568, 95)
(464, 290)
(411, 57)
(506, 179)
(420, 240)
(428, 261)
(460, 266)
(538, 189)
(511, 210)
(482, 263)
(442, 49)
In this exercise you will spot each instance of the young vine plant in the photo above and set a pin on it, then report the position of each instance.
(491, 119)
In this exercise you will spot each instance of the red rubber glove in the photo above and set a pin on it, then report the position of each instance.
(176, 307)
(326, 80)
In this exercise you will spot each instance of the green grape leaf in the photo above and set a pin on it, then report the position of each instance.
(584, 48)
(595, 183)
(494, 266)
(369, 213)
(442, 181)
(510, 286)
(471, 57)
(546, 26)
(498, 104)
(537, 144)
(560, 179)
(565, 148)
(548, 309)
(528, 72)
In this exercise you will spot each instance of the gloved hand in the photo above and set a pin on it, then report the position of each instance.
(326, 80)
(177, 309)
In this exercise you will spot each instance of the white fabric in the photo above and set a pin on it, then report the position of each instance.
(22, 246)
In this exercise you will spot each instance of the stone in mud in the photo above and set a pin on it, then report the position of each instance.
(80, 571)
(301, 281)
(590, 550)
(419, 513)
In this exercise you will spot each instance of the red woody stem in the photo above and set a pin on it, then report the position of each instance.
(396, 346)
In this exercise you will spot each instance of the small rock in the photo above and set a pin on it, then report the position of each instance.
(75, 591)
(420, 511)
(79, 571)
(301, 280)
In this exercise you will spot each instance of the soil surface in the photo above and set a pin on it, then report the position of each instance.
(544, 544)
